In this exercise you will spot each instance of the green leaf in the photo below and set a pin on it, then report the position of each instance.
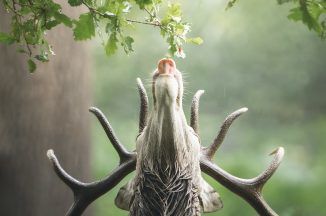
(230, 4)
(173, 48)
(63, 19)
(25, 10)
(315, 9)
(196, 40)
(31, 65)
(50, 6)
(295, 14)
(111, 46)
(128, 44)
(75, 2)
(175, 10)
(143, 3)
(85, 27)
(6, 38)
(310, 21)
(50, 24)
(302, 14)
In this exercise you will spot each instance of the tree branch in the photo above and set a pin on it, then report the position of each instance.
(94, 10)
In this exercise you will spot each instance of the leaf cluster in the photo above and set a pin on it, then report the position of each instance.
(311, 13)
(109, 19)
(175, 30)
(30, 21)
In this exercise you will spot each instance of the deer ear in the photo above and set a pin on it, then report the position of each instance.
(209, 199)
(124, 196)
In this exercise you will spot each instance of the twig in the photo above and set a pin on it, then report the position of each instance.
(91, 9)
(145, 23)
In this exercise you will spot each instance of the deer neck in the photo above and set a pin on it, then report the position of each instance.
(165, 184)
(167, 135)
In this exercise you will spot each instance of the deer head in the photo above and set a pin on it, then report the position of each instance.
(168, 159)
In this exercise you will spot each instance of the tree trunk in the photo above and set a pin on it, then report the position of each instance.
(47, 109)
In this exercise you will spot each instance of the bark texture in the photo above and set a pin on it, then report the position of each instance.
(48, 109)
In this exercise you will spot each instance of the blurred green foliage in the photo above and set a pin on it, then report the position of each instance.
(311, 13)
(254, 57)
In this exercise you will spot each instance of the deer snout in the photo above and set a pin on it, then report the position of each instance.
(166, 67)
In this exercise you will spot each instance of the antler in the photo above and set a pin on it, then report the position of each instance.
(121, 150)
(210, 151)
(143, 105)
(194, 111)
(249, 189)
(86, 193)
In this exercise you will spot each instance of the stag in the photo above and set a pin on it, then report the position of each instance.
(168, 159)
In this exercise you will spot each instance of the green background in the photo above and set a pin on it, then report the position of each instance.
(252, 56)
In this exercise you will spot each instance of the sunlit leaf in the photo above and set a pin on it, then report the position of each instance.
(196, 40)
(175, 10)
(111, 46)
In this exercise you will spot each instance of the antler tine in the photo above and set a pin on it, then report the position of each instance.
(76, 186)
(267, 174)
(195, 110)
(121, 150)
(248, 189)
(143, 105)
(86, 193)
(63, 175)
(211, 150)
